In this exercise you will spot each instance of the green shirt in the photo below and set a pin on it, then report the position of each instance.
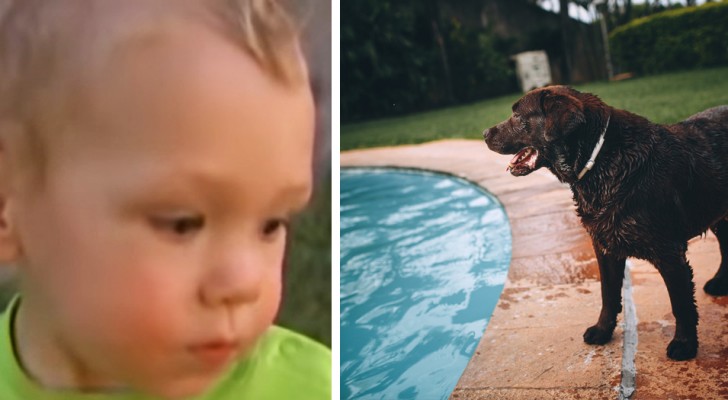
(284, 365)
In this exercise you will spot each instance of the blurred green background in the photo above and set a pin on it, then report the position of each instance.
(307, 293)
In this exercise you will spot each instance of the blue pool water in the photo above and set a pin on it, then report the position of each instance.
(423, 260)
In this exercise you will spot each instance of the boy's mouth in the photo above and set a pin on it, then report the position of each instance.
(215, 353)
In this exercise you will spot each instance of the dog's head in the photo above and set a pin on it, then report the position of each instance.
(541, 121)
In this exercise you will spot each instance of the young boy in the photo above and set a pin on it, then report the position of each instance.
(151, 155)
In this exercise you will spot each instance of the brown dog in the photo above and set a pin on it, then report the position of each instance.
(641, 189)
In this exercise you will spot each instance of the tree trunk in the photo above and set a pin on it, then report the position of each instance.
(604, 11)
(432, 8)
(628, 11)
(443, 57)
(565, 43)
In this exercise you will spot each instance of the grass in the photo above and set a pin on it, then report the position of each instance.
(306, 306)
(664, 98)
(307, 294)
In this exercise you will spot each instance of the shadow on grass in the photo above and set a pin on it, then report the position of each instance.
(8, 286)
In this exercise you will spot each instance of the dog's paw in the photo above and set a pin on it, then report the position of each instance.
(682, 349)
(716, 287)
(597, 335)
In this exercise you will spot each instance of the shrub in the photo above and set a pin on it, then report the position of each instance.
(391, 63)
(686, 38)
(477, 68)
(388, 61)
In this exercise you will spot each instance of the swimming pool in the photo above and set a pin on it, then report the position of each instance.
(423, 260)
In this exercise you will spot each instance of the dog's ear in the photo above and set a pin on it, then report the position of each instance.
(564, 114)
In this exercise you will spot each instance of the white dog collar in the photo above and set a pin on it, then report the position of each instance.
(590, 164)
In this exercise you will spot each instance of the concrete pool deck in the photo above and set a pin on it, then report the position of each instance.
(532, 347)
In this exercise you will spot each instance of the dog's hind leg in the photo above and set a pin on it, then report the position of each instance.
(718, 285)
(678, 277)
(611, 271)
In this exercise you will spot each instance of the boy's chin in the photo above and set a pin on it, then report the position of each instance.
(182, 389)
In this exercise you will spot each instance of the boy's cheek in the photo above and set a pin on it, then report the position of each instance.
(133, 315)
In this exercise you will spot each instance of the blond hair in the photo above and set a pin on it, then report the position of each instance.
(266, 31)
(49, 47)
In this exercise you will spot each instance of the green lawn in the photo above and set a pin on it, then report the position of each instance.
(663, 98)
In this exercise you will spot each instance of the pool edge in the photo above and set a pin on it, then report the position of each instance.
(513, 359)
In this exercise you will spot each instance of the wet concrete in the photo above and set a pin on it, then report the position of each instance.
(705, 377)
(532, 347)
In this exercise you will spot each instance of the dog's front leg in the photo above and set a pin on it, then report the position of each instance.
(678, 277)
(611, 270)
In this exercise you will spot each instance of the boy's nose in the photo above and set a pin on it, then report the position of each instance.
(235, 279)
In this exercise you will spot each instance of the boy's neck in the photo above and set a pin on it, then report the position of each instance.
(46, 360)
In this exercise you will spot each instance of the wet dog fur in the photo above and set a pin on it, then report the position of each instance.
(651, 189)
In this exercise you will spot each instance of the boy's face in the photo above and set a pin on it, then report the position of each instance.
(152, 252)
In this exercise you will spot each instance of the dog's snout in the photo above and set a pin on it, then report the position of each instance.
(488, 133)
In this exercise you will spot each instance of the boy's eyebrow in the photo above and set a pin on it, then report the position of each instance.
(299, 192)
(295, 192)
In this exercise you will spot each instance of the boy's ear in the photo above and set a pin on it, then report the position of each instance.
(9, 243)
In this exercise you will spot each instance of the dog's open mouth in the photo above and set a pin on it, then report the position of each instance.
(524, 162)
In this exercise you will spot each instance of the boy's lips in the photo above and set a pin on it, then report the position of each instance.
(215, 353)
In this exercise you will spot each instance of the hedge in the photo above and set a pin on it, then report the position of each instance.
(686, 38)
(391, 63)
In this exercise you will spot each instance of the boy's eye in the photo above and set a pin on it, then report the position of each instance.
(179, 225)
(274, 226)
